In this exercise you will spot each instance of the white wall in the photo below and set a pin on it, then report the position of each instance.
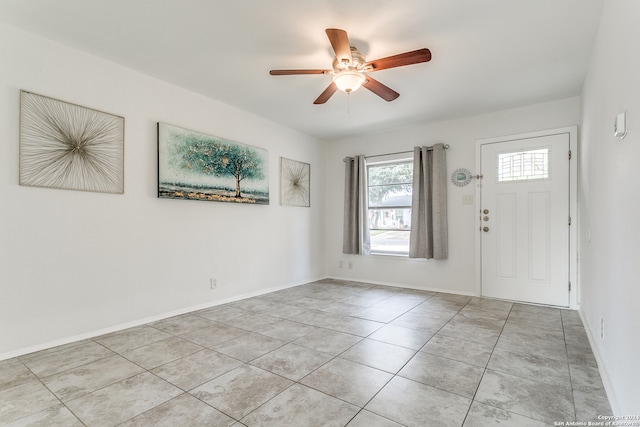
(458, 273)
(610, 202)
(73, 263)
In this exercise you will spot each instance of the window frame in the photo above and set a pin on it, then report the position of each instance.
(381, 161)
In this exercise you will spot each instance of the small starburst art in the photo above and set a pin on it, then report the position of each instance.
(70, 147)
(295, 183)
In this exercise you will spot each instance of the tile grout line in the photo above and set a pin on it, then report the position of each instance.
(484, 370)
(297, 382)
(179, 334)
(573, 399)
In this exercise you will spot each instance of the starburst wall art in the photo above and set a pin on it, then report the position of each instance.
(295, 183)
(70, 147)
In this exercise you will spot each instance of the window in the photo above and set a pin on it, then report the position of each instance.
(523, 165)
(389, 189)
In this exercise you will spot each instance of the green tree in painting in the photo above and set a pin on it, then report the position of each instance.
(218, 158)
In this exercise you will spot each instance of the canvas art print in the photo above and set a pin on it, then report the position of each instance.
(196, 166)
(70, 147)
(295, 183)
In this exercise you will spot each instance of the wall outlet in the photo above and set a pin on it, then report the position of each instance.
(341, 264)
(213, 283)
(350, 265)
(602, 329)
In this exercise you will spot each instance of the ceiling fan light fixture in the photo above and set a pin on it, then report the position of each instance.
(349, 81)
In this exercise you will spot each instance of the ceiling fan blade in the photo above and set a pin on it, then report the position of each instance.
(293, 72)
(407, 58)
(340, 43)
(324, 96)
(381, 90)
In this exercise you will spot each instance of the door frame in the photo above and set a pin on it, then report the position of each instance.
(573, 205)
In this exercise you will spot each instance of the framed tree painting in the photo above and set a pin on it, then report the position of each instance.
(197, 166)
(67, 146)
(295, 186)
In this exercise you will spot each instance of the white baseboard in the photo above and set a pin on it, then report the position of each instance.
(601, 365)
(397, 285)
(143, 321)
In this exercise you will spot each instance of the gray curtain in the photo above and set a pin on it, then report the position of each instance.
(429, 204)
(356, 229)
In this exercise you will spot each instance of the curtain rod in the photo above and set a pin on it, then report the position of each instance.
(446, 146)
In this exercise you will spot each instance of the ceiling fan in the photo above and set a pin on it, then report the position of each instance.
(350, 68)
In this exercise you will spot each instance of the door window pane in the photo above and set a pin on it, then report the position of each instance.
(523, 165)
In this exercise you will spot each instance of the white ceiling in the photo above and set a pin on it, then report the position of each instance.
(487, 54)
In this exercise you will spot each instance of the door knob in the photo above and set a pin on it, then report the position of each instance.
(485, 229)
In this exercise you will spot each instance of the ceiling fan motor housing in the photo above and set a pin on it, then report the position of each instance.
(357, 62)
(349, 75)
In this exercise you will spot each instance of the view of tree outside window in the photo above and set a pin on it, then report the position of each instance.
(390, 186)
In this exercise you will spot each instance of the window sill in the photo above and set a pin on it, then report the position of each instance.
(391, 254)
(396, 256)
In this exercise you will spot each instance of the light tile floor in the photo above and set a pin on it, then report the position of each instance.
(329, 353)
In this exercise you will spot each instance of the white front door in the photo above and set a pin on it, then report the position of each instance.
(524, 219)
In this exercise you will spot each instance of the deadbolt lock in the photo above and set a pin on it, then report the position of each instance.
(486, 211)
(486, 218)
